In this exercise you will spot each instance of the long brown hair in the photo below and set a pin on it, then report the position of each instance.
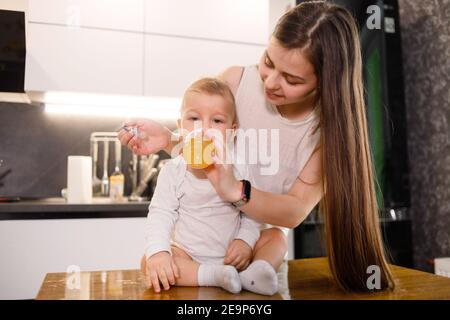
(327, 34)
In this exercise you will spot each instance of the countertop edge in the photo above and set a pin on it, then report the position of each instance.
(48, 210)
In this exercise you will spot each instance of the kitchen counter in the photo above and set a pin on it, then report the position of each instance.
(58, 208)
(298, 279)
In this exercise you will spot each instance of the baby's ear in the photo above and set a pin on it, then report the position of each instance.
(232, 132)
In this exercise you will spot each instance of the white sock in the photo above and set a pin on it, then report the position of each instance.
(226, 277)
(260, 277)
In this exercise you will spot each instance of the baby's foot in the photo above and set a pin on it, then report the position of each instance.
(226, 277)
(229, 279)
(260, 277)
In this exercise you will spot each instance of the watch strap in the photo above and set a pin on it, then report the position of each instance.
(245, 194)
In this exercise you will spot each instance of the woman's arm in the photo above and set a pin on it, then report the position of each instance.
(153, 137)
(289, 210)
(285, 210)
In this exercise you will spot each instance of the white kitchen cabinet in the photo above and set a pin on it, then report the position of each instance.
(83, 60)
(171, 63)
(241, 21)
(139, 47)
(109, 14)
(276, 9)
(30, 249)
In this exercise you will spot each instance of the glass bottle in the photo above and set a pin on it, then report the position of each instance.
(117, 178)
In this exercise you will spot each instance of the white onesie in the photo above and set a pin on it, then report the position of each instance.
(187, 212)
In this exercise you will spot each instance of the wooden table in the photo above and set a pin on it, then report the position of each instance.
(298, 279)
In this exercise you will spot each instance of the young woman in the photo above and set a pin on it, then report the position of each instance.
(308, 84)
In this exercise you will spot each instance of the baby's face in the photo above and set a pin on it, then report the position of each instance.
(205, 111)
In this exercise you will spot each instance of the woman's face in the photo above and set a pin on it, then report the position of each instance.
(288, 76)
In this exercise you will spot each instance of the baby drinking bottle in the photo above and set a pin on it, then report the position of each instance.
(198, 151)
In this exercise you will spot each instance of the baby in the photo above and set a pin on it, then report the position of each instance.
(191, 230)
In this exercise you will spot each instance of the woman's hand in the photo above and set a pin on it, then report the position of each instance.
(161, 269)
(221, 174)
(152, 136)
(239, 254)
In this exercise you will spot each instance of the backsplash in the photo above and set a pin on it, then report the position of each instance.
(426, 42)
(35, 146)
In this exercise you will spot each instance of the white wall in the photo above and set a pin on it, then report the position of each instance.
(14, 5)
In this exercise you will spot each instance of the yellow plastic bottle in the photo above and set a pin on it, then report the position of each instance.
(198, 151)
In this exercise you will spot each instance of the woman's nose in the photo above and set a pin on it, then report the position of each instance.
(272, 82)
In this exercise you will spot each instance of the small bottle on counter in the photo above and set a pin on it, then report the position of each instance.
(117, 178)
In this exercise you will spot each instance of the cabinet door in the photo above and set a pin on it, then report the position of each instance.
(32, 248)
(171, 63)
(240, 21)
(84, 60)
(109, 14)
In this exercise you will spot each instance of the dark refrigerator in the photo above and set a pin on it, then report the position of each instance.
(384, 96)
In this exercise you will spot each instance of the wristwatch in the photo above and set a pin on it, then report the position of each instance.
(245, 194)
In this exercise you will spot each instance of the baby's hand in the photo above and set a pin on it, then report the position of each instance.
(161, 268)
(239, 254)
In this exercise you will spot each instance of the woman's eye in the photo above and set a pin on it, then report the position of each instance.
(267, 62)
(292, 83)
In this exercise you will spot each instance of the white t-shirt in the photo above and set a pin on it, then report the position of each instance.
(289, 143)
(187, 212)
(295, 139)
